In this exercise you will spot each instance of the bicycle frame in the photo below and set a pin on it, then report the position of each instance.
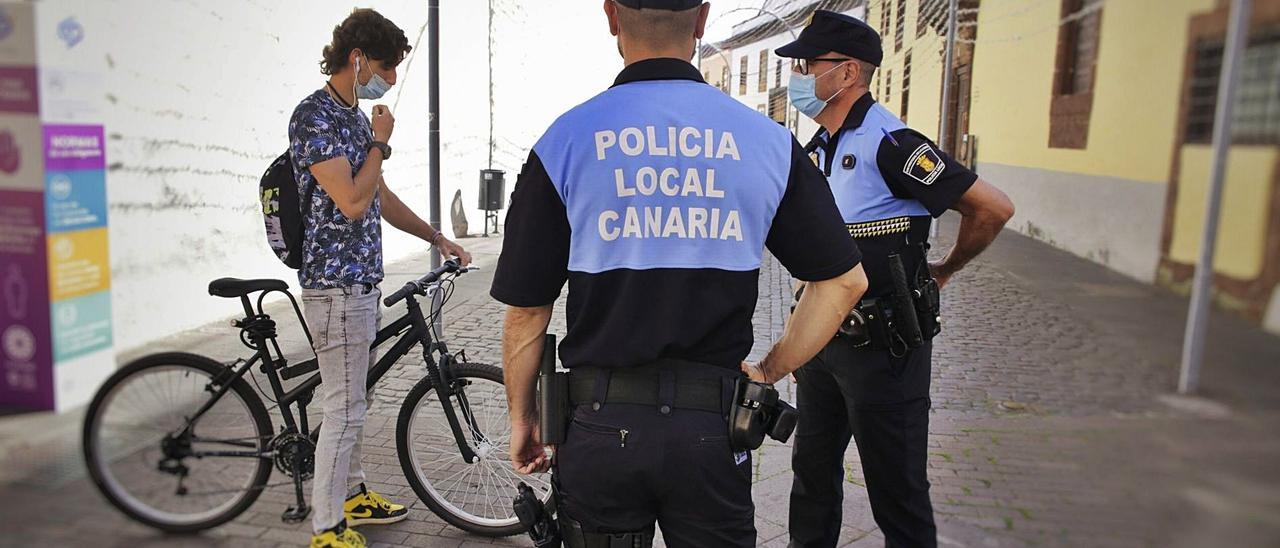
(409, 330)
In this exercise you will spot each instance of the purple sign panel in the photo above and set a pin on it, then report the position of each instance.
(18, 87)
(26, 350)
(69, 148)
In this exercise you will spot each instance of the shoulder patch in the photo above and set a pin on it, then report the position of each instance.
(924, 165)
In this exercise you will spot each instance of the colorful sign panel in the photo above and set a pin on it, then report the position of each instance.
(55, 268)
(79, 261)
(56, 275)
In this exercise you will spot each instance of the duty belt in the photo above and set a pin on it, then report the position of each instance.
(665, 384)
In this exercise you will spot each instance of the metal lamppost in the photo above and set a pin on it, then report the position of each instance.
(1201, 296)
(433, 124)
(948, 66)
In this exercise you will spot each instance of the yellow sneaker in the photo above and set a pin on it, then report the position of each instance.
(338, 537)
(369, 507)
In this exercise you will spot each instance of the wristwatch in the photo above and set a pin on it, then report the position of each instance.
(385, 148)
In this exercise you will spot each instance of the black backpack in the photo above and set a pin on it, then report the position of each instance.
(282, 210)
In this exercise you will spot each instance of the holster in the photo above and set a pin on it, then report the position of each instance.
(756, 411)
(929, 308)
(905, 319)
(553, 396)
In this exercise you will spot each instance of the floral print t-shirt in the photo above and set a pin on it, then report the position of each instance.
(337, 252)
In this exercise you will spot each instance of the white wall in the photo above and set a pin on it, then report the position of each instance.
(198, 98)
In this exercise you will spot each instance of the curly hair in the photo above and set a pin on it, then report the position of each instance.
(371, 33)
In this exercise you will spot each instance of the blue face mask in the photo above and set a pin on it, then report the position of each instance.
(376, 88)
(802, 90)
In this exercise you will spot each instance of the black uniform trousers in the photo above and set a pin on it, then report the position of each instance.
(881, 402)
(624, 466)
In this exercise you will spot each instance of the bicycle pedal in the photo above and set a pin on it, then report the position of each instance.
(295, 515)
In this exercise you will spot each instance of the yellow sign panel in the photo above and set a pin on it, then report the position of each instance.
(79, 263)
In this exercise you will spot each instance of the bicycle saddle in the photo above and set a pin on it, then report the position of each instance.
(234, 287)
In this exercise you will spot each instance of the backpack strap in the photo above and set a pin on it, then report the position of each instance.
(311, 190)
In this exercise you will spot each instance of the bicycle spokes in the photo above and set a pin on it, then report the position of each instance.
(479, 491)
(153, 457)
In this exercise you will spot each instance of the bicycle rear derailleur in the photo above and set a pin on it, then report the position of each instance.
(176, 449)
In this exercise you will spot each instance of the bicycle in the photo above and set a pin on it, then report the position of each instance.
(183, 443)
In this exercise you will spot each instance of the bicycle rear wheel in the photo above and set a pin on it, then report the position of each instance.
(143, 458)
(475, 497)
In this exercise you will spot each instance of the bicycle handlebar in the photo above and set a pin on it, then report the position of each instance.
(419, 285)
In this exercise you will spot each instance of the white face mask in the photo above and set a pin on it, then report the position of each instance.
(374, 89)
(803, 93)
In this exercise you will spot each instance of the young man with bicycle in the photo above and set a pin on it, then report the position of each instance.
(334, 145)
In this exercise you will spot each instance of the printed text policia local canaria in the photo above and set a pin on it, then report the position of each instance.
(674, 221)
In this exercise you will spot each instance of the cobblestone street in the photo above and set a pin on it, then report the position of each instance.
(1053, 423)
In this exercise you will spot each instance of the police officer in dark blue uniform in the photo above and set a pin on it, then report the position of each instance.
(655, 200)
(871, 382)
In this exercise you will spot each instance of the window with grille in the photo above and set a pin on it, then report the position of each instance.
(1080, 52)
(1072, 98)
(778, 105)
(763, 77)
(742, 76)
(1255, 119)
(926, 12)
(906, 86)
(888, 84)
(902, 22)
(885, 9)
(777, 74)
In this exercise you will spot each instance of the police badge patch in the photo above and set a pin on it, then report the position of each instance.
(848, 161)
(924, 165)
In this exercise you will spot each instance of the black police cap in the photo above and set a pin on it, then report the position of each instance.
(830, 31)
(672, 5)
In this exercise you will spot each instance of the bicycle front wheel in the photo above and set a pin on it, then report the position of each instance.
(157, 465)
(475, 497)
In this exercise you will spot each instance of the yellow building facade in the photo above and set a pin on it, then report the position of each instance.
(1094, 116)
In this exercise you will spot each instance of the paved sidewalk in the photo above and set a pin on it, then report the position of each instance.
(1053, 423)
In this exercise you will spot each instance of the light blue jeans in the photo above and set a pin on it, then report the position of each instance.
(343, 323)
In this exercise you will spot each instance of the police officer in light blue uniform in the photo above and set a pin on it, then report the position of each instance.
(655, 201)
(871, 383)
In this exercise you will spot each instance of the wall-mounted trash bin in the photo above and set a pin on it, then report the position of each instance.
(493, 189)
